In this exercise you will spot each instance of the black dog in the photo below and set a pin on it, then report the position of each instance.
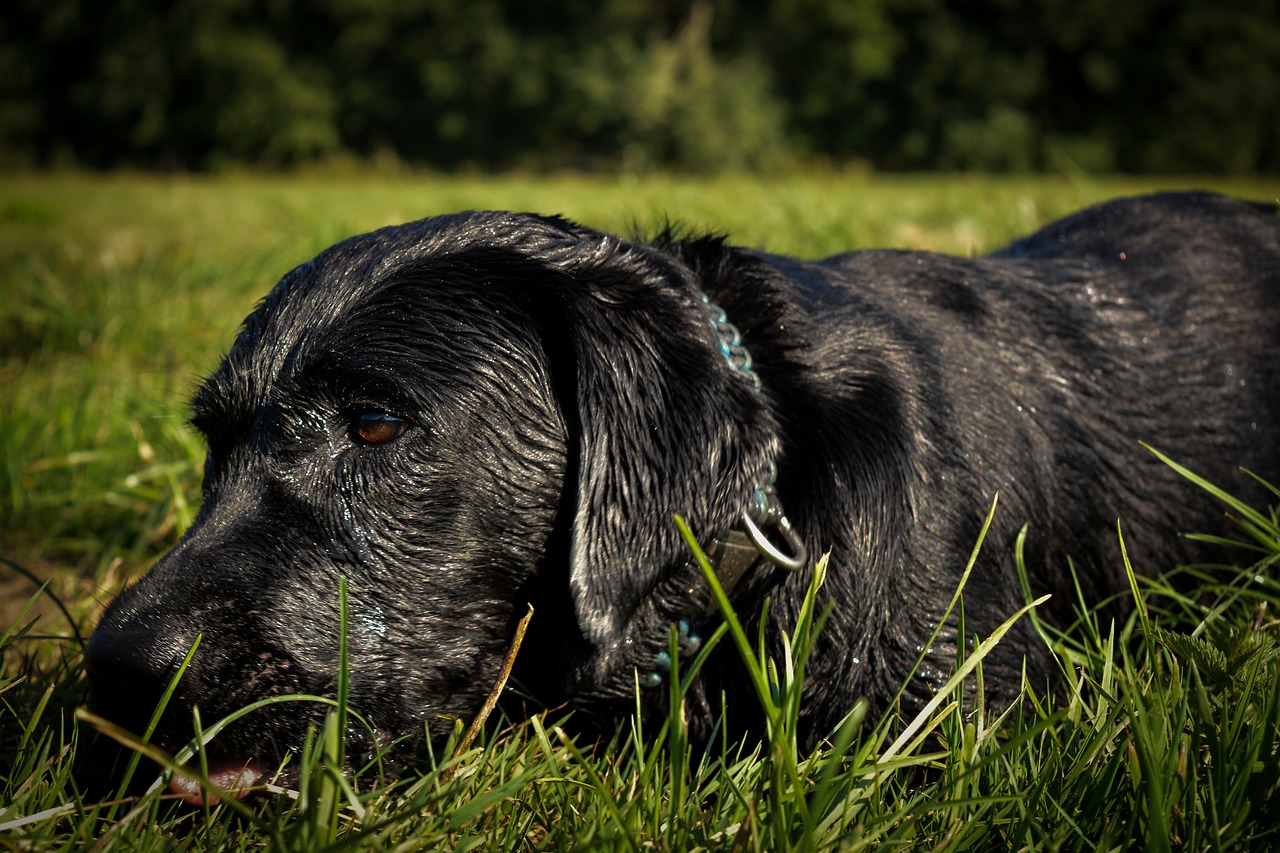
(470, 413)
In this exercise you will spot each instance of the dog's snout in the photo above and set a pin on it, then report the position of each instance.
(129, 668)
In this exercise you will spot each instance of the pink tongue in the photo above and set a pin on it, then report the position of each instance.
(233, 775)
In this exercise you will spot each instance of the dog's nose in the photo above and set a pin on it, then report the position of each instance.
(129, 668)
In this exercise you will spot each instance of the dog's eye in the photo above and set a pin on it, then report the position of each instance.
(379, 427)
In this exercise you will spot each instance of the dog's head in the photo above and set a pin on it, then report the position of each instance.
(458, 416)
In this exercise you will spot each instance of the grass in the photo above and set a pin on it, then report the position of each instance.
(119, 292)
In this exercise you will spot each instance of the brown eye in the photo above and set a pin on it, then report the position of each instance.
(379, 427)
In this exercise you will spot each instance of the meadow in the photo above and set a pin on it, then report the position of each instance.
(117, 293)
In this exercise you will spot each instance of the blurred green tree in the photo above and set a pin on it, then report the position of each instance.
(1147, 85)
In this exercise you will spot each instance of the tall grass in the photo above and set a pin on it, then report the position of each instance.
(1164, 736)
(120, 292)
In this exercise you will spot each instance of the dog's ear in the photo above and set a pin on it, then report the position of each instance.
(659, 422)
(665, 425)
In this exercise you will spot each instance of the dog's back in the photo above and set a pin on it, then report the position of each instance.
(1040, 372)
(1153, 319)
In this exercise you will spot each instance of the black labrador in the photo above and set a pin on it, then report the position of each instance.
(475, 412)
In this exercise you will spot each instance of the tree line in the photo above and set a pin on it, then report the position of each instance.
(1092, 85)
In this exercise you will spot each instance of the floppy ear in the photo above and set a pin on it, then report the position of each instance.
(660, 424)
(665, 425)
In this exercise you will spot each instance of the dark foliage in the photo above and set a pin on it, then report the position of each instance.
(1144, 86)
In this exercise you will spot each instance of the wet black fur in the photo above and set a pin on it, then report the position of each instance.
(566, 398)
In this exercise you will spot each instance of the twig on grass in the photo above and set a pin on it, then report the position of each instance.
(492, 700)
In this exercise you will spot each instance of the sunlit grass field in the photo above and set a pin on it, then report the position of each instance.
(118, 293)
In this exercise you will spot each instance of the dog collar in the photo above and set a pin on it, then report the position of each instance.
(745, 544)
(734, 552)
(731, 347)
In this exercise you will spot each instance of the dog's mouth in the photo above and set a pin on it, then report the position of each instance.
(229, 777)
(267, 761)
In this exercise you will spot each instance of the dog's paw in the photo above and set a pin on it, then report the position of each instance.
(688, 643)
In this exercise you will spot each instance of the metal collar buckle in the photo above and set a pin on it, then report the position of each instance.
(768, 514)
